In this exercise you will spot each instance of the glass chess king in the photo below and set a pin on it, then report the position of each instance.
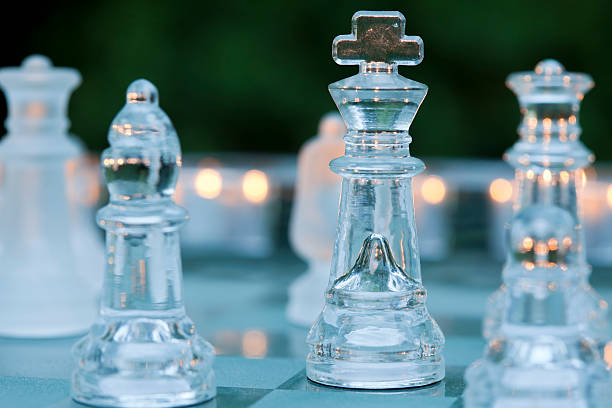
(546, 325)
(375, 330)
(143, 351)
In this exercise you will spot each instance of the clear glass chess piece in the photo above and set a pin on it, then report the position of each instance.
(374, 330)
(545, 324)
(143, 351)
(312, 228)
(549, 158)
(50, 251)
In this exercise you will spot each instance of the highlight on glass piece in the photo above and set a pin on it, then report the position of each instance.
(143, 350)
(50, 252)
(546, 326)
(312, 227)
(375, 331)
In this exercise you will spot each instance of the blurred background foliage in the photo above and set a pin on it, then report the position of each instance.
(253, 76)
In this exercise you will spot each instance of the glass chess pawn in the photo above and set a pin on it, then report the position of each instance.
(375, 330)
(312, 228)
(143, 351)
(50, 251)
(545, 325)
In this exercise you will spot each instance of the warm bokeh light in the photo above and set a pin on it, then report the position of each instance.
(254, 344)
(255, 186)
(567, 242)
(208, 183)
(609, 195)
(608, 354)
(527, 243)
(433, 190)
(564, 177)
(581, 178)
(500, 190)
(547, 176)
(528, 265)
(541, 248)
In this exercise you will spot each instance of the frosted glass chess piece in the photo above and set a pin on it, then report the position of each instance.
(374, 330)
(546, 322)
(143, 351)
(312, 228)
(50, 252)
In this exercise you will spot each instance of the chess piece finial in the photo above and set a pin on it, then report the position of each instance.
(142, 91)
(550, 98)
(375, 330)
(143, 350)
(47, 235)
(37, 99)
(312, 227)
(378, 37)
(546, 326)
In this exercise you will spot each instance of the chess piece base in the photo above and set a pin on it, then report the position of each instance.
(542, 367)
(143, 362)
(375, 348)
(151, 396)
(348, 374)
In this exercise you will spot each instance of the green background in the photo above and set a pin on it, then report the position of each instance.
(253, 76)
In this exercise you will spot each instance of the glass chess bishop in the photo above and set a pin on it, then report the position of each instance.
(374, 330)
(545, 324)
(143, 351)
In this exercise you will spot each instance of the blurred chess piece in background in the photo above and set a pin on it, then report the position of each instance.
(51, 254)
(545, 326)
(312, 228)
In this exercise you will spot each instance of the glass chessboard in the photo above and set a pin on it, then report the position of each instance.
(239, 306)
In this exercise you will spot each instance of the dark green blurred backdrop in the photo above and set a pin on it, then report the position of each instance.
(253, 76)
